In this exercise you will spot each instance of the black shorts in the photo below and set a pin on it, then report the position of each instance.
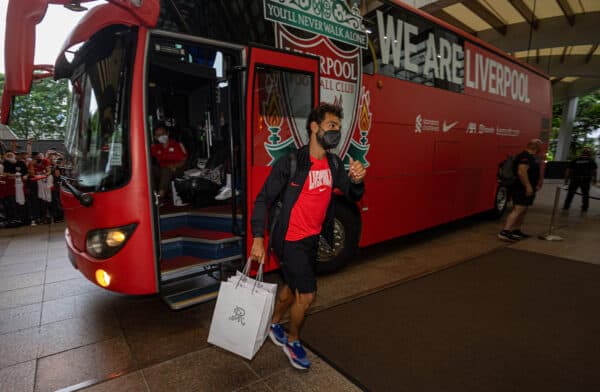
(519, 198)
(298, 264)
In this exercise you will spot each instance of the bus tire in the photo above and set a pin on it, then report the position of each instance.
(500, 202)
(345, 238)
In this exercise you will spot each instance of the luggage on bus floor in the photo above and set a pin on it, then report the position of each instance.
(198, 191)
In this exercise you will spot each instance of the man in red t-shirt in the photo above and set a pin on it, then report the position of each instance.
(306, 213)
(170, 156)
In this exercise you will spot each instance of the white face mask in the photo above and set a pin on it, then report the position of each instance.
(163, 139)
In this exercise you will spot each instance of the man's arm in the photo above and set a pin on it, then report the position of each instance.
(522, 169)
(353, 190)
(273, 186)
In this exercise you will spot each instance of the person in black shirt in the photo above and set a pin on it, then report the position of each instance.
(523, 190)
(581, 172)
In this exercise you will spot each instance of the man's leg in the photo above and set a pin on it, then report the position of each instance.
(585, 195)
(515, 218)
(570, 193)
(164, 181)
(302, 302)
(285, 299)
(519, 222)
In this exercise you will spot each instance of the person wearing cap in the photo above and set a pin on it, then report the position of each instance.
(527, 169)
(579, 175)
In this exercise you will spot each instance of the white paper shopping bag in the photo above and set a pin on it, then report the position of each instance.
(238, 324)
(242, 278)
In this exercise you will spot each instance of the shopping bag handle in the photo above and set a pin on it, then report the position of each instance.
(246, 271)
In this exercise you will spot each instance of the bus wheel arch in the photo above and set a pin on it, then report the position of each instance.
(347, 229)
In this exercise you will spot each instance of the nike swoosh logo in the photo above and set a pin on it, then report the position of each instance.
(322, 189)
(447, 127)
(294, 184)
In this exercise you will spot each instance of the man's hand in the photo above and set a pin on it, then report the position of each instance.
(258, 250)
(357, 171)
(528, 191)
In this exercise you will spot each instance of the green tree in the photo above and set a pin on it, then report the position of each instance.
(587, 120)
(42, 113)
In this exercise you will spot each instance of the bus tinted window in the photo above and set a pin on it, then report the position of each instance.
(98, 124)
(288, 99)
(409, 47)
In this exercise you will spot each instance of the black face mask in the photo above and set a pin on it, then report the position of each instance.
(328, 139)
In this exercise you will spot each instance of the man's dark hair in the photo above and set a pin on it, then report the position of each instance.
(318, 114)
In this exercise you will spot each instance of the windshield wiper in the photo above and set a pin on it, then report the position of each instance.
(85, 199)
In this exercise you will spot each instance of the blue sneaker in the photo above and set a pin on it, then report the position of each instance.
(278, 335)
(297, 356)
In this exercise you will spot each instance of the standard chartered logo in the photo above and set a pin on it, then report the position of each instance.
(426, 124)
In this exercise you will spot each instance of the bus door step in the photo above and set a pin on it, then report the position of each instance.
(184, 299)
(199, 243)
(184, 267)
(187, 281)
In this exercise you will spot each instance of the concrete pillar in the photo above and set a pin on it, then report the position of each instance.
(566, 128)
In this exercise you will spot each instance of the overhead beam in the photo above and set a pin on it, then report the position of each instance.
(563, 55)
(566, 9)
(525, 12)
(551, 33)
(591, 53)
(439, 5)
(485, 14)
(574, 65)
(564, 91)
(446, 17)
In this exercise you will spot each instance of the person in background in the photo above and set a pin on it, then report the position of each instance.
(56, 205)
(579, 175)
(169, 156)
(527, 169)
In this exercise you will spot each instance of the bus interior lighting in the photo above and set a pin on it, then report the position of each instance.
(104, 243)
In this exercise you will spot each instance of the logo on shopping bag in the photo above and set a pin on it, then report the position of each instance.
(238, 315)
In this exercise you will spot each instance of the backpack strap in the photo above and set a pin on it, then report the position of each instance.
(293, 164)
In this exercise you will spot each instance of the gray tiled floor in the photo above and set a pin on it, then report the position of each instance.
(58, 330)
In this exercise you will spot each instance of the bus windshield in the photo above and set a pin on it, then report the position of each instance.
(98, 123)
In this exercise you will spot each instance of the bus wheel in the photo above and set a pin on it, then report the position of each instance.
(500, 202)
(345, 241)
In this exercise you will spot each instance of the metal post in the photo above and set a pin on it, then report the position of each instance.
(549, 236)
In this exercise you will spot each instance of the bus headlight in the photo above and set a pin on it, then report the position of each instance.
(104, 243)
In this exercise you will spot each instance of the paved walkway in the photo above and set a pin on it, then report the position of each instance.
(58, 331)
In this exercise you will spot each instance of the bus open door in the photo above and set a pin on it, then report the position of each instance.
(196, 89)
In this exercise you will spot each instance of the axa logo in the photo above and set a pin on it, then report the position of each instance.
(418, 124)
(472, 127)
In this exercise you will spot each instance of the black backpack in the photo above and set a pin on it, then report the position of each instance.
(506, 171)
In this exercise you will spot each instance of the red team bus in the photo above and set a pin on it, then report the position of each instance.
(430, 110)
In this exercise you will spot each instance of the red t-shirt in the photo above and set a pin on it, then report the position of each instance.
(309, 211)
(170, 154)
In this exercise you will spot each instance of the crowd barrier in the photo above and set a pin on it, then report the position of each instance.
(550, 236)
